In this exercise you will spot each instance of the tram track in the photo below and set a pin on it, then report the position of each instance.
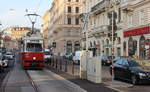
(32, 82)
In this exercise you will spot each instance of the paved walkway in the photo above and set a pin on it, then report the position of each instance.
(85, 84)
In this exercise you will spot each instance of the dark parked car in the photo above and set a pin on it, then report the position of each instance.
(106, 60)
(130, 70)
(116, 58)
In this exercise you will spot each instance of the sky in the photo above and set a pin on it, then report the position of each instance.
(12, 12)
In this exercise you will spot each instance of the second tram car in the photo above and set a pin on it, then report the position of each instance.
(32, 55)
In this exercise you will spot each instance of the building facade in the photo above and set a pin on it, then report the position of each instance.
(16, 33)
(137, 28)
(46, 21)
(97, 33)
(132, 37)
(64, 28)
(12, 35)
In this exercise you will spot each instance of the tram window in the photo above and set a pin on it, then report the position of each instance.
(34, 47)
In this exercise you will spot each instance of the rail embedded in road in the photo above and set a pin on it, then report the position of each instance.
(32, 82)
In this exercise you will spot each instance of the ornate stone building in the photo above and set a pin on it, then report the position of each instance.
(64, 28)
(132, 35)
(98, 35)
(46, 21)
(136, 32)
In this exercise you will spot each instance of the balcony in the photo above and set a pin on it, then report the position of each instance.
(100, 31)
(100, 7)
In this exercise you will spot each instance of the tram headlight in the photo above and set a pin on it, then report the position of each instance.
(34, 58)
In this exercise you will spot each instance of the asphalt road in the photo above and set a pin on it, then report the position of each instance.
(17, 81)
(6, 71)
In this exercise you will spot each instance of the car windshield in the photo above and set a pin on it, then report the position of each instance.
(47, 53)
(34, 47)
(8, 53)
(133, 63)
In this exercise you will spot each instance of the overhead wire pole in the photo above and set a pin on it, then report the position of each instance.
(32, 17)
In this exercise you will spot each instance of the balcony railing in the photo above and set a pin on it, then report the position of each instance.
(100, 30)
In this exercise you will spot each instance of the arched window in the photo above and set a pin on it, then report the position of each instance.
(69, 47)
(142, 47)
(94, 43)
(77, 45)
(119, 40)
(91, 44)
(107, 41)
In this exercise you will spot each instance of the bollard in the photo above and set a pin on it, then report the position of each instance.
(60, 60)
(65, 65)
(53, 62)
(73, 67)
(56, 62)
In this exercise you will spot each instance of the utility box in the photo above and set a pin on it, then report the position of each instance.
(94, 69)
(83, 65)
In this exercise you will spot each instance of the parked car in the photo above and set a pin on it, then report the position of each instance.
(106, 60)
(1, 65)
(130, 70)
(77, 57)
(116, 58)
(5, 61)
(68, 56)
(9, 55)
(47, 54)
(2, 50)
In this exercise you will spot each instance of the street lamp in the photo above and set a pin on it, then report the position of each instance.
(32, 17)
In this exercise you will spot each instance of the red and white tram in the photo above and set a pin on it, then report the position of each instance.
(32, 55)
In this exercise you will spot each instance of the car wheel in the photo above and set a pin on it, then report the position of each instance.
(134, 80)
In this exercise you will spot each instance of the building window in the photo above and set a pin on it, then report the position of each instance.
(77, 0)
(141, 17)
(69, 0)
(69, 9)
(69, 47)
(77, 21)
(119, 14)
(69, 21)
(107, 42)
(77, 9)
(119, 40)
(130, 20)
(142, 49)
(77, 46)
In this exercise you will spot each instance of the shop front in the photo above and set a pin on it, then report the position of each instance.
(134, 42)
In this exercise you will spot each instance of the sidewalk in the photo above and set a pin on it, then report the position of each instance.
(85, 84)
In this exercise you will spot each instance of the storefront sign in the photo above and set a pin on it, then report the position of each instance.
(134, 32)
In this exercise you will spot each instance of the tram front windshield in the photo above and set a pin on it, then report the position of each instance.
(35, 47)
